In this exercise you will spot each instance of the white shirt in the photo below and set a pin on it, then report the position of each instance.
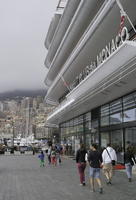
(105, 156)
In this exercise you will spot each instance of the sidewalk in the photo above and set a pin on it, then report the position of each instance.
(121, 189)
(23, 179)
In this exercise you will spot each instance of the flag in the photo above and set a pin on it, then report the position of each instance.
(123, 15)
(65, 83)
(122, 21)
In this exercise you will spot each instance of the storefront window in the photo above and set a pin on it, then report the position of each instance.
(116, 106)
(105, 139)
(129, 101)
(130, 138)
(116, 112)
(105, 121)
(129, 115)
(117, 144)
(87, 118)
(105, 115)
(115, 118)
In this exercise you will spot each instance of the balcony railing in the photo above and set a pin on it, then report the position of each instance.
(61, 5)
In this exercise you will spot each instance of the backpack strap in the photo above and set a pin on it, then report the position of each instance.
(108, 153)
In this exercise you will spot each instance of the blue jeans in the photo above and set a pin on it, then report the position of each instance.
(128, 167)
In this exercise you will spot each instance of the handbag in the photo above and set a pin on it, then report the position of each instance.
(113, 162)
(131, 162)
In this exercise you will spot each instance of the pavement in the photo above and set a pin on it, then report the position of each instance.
(22, 178)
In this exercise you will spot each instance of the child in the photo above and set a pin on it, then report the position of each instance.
(41, 157)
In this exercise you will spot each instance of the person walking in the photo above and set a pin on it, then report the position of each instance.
(109, 158)
(129, 160)
(53, 156)
(95, 160)
(49, 154)
(41, 157)
(81, 163)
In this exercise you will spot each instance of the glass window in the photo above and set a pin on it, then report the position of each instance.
(129, 101)
(80, 128)
(130, 138)
(116, 118)
(105, 110)
(129, 115)
(105, 121)
(80, 120)
(87, 118)
(105, 115)
(88, 126)
(95, 123)
(116, 106)
(117, 143)
(105, 139)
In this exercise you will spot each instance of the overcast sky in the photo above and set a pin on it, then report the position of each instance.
(23, 28)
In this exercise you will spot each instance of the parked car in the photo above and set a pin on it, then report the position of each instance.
(23, 149)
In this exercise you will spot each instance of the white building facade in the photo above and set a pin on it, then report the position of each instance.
(91, 64)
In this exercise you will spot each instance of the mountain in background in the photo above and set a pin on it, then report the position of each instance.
(19, 94)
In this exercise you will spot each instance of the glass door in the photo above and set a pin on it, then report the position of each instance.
(117, 144)
(130, 138)
(105, 139)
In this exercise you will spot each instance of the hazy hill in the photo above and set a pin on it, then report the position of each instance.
(22, 93)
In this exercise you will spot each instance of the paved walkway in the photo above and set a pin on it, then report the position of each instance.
(21, 178)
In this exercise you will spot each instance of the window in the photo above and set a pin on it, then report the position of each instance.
(87, 118)
(105, 115)
(129, 115)
(129, 101)
(116, 112)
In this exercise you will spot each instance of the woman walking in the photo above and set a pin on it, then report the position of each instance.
(129, 159)
(81, 163)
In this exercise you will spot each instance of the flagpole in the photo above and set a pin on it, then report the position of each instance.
(125, 14)
(64, 82)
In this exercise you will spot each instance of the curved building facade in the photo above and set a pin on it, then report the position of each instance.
(92, 72)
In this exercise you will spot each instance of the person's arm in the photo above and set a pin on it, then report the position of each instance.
(100, 158)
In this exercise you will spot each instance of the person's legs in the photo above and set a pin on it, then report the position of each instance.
(49, 159)
(83, 172)
(107, 169)
(80, 172)
(98, 180)
(110, 173)
(40, 163)
(128, 171)
(92, 179)
(43, 163)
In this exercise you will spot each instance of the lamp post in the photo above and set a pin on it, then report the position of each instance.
(13, 136)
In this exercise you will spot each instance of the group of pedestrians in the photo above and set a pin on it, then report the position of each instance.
(104, 160)
(53, 154)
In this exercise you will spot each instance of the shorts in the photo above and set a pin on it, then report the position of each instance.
(94, 172)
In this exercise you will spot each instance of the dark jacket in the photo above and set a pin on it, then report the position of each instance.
(95, 159)
(80, 155)
(129, 158)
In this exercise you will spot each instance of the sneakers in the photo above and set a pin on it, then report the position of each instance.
(82, 184)
(92, 190)
(109, 183)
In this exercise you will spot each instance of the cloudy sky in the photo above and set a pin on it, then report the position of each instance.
(23, 28)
